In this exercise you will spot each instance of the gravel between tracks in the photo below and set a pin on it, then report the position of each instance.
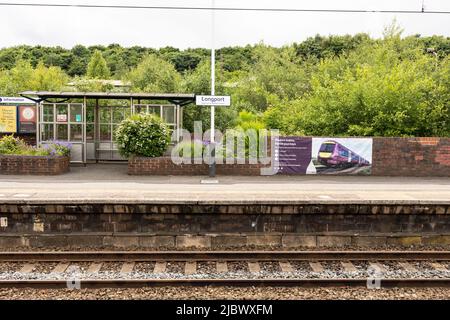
(204, 293)
(236, 270)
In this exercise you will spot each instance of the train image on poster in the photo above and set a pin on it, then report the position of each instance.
(341, 156)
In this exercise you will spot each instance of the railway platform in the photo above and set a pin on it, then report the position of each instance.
(109, 182)
(100, 205)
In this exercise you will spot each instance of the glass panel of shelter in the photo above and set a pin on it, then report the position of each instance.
(64, 122)
(166, 112)
(109, 119)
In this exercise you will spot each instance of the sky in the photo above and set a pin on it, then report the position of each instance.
(183, 29)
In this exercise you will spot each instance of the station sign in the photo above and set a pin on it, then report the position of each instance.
(221, 101)
(16, 100)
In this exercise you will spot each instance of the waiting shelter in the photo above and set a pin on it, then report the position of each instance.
(87, 120)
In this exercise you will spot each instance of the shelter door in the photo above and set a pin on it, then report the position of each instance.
(109, 118)
(64, 122)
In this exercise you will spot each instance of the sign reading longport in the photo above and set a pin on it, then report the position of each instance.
(223, 101)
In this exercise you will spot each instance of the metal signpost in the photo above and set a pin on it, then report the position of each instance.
(213, 101)
(212, 166)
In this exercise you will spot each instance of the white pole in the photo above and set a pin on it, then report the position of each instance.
(213, 80)
(212, 167)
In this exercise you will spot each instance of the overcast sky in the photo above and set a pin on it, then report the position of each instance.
(158, 28)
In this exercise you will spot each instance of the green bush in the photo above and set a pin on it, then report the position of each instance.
(11, 145)
(142, 135)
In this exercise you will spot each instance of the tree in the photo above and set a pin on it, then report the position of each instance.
(384, 90)
(198, 81)
(47, 78)
(320, 47)
(154, 74)
(24, 77)
(276, 75)
(97, 67)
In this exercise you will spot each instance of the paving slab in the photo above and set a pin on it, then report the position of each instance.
(110, 183)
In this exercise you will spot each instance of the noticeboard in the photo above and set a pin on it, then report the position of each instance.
(323, 155)
(8, 119)
(27, 119)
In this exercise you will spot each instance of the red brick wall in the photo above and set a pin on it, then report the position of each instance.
(411, 157)
(390, 157)
(39, 165)
(165, 166)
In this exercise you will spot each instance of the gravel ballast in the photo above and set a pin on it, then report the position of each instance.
(204, 293)
(236, 270)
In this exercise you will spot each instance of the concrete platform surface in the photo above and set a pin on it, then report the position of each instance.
(110, 183)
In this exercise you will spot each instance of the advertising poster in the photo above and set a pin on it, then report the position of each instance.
(334, 156)
(27, 119)
(293, 154)
(8, 119)
(351, 156)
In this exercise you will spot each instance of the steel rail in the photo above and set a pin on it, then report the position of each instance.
(222, 255)
(142, 283)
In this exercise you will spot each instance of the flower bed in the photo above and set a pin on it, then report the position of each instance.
(17, 157)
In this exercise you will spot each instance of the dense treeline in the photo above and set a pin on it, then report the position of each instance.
(335, 85)
(74, 61)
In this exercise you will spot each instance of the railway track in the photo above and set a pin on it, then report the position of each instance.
(132, 269)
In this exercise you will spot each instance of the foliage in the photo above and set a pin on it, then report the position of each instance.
(59, 148)
(10, 145)
(154, 75)
(320, 47)
(374, 91)
(92, 85)
(198, 81)
(276, 74)
(325, 85)
(15, 146)
(248, 120)
(24, 77)
(142, 135)
(189, 149)
(97, 67)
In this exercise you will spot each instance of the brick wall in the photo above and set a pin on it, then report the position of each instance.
(39, 165)
(411, 157)
(165, 166)
(390, 157)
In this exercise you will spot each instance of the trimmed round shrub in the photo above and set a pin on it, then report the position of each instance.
(142, 135)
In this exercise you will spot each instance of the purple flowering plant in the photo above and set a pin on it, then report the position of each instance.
(58, 148)
(17, 146)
